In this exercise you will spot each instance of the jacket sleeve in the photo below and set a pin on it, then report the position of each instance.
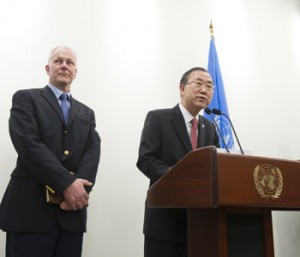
(88, 165)
(149, 160)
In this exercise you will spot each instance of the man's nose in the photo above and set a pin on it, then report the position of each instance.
(64, 64)
(203, 90)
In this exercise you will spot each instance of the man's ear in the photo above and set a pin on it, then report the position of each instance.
(47, 68)
(181, 88)
(75, 74)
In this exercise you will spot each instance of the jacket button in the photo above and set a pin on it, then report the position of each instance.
(66, 152)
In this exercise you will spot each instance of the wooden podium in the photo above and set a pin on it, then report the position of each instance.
(229, 199)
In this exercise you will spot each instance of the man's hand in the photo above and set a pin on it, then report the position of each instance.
(75, 195)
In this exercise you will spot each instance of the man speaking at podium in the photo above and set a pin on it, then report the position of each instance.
(168, 135)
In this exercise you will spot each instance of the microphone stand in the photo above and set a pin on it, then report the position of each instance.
(208, 111)
(218, 112)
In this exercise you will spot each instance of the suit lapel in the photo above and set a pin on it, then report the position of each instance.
(180, 128)
(201, 132)
(51, 99)
(73, 110)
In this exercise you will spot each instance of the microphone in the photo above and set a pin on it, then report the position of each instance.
(208, 111)
(218, 112)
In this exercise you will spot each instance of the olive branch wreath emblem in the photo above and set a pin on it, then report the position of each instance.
(268, 181)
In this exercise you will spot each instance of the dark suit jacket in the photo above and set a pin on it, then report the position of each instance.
(47, 150)
(164, 142)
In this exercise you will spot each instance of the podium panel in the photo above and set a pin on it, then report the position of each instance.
(229, 199)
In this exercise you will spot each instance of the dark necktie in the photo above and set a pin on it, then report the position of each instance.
(64, 106)
(194, 132)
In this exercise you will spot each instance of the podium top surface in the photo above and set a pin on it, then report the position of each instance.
(206, 178)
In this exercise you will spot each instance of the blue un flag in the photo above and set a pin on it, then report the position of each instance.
(219, 98)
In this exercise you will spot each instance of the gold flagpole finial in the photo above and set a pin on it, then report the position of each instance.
(211, 28)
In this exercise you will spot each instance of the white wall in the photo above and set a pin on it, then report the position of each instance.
(131, 56)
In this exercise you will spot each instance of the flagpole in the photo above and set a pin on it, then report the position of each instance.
(218, 100)
(211, 28)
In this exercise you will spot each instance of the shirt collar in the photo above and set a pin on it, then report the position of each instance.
(57, 92)
(186, 115)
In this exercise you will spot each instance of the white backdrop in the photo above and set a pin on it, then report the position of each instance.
(131, 55)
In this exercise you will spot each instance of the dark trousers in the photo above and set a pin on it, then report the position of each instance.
(59, 243)
(159, 248)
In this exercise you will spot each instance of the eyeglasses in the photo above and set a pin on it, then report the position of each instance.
(199, 84)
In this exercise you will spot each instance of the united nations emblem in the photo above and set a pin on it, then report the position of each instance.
(268, 181)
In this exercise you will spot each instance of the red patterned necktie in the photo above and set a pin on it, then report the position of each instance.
(194, 132)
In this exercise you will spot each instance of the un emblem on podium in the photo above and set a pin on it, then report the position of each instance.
(268, 181)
